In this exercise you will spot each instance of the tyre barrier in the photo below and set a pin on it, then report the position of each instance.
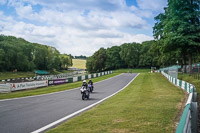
(189, 119)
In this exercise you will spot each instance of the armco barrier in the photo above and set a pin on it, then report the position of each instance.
(189, 119)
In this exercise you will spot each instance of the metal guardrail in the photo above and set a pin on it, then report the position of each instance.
(189, 119)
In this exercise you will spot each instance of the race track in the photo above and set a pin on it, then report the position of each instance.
(25, 115)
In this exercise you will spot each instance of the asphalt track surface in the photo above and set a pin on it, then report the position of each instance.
(25, 115)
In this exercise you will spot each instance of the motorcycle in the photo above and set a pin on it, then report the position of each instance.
(90, 87)
(85, 93)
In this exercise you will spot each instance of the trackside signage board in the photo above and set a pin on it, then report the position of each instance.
(28, 85)
(58, 81)
(4, 88)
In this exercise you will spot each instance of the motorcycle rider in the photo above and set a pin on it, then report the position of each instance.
(85, 84)
(84, 90)
(90, 83)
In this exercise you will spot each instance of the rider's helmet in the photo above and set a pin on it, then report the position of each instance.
(84, 81)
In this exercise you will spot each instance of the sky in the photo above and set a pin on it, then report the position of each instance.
(80, 27)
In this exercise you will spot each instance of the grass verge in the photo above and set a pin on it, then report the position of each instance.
(148, 104)
(190, 80)
(12, 75)
(51, 89)
(133, 70)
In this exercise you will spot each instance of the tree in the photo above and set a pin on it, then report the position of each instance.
(96, 63)
(2, 59)
(22, 63)
(130, 53)
(22, 55)
(65, 61)
(146, 57)
(113, 60)
(179, 28)
(100, 59)
(90, 64)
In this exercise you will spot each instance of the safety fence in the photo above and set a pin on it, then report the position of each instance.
(189, 119)
(9, 87)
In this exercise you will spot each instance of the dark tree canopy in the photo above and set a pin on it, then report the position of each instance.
(128, 55)
(17, 53)
(178, 28)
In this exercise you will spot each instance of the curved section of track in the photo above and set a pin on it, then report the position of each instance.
(26, 115)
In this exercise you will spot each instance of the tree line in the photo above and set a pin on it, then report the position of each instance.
(128, 55)
(19, 54)
(177, 41)
(177, 30)
(79, 57)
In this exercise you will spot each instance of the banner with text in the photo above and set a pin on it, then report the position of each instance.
(58, 81)
(28, 85)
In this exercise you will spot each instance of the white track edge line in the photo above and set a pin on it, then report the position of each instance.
(79, 111)
(53, 92)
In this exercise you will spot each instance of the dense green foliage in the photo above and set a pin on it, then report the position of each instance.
(19, 54)
(178, 30)
(128, 55)
(79, 57)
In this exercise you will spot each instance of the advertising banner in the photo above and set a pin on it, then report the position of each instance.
(28, 85)
(58, 81)
(4, 88)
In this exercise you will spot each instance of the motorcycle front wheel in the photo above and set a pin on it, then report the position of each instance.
(83, 96)
(88, 95)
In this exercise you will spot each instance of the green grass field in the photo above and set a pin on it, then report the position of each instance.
(79, 63)
(148, 105)
(132, 70)
(54, 72)
(11, 75)
(190, 80)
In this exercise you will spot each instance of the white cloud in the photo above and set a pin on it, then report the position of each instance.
(24, 11)
(76, 27)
